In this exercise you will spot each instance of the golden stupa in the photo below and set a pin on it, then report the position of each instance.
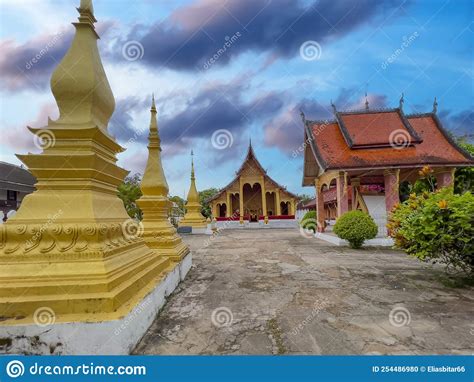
(193, 217)
(71, 247)
(158, 231)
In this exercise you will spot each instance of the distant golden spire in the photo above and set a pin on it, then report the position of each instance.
(192, 166)
(79, 83)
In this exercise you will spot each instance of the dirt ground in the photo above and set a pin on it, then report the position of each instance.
(278, 292)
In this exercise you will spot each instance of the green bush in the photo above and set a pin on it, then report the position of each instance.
(355, 227)
(436, 227)
(309, 221)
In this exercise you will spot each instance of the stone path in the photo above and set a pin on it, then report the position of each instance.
(277, 292)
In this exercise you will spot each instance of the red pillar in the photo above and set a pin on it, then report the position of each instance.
(391, 184)
(444, 178)
(342, 194)
(320, 214)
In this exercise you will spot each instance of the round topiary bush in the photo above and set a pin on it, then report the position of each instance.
(309, 221)
(355, 227)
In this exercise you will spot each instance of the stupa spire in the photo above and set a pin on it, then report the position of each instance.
(158, 232)
(74, 228)
(81, 76)
(192, 166)
(154, 180)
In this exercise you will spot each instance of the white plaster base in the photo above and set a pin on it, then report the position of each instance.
(377, 242)
(117, 337)
(280, 223)
(200, 231)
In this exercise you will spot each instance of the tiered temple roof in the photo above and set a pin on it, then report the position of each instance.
(253, 163)
(384, 138)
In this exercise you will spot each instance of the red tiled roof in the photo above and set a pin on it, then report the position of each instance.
(435, 147)
(373, 129)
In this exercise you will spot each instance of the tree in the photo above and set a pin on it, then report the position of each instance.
(304, 198)
(204, 195)
(129, 191)
(464, 177)
(179, 201)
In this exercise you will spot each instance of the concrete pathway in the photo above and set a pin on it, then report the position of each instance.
(278, 292)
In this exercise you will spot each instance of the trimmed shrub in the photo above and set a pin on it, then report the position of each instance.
(436, 227)
(309, 221)
(355, 227)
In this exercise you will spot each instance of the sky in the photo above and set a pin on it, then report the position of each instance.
(227, 71)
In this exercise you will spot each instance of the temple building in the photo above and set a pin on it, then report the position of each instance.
(358, 159)
(193, 218)
(15, 183)
(252, 196)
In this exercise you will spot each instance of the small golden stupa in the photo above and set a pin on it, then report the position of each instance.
(158, 232)
(193, 217)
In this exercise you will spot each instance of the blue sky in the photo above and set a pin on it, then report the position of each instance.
(253, 89)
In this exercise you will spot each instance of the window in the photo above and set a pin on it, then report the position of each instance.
(11, 195)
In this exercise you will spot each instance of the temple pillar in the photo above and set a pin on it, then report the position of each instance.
(277, 201)
(228, 210)
(241, 202)
(292, 207)
(264, 201)
(355, 183)
(444, 177)
(391, 185)
(319, 206)
(341, 194)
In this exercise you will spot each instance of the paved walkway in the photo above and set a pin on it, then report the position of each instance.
(277, 292)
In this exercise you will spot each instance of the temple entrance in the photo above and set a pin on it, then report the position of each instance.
(222, 210)
(285, 207)
(252, 196)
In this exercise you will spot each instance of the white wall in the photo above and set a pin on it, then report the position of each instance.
(376, 206)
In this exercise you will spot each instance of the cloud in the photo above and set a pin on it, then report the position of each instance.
(19, 139)
(195, 33)
(215, 106)
(31, 64)
(459, 124)
(286, 130)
